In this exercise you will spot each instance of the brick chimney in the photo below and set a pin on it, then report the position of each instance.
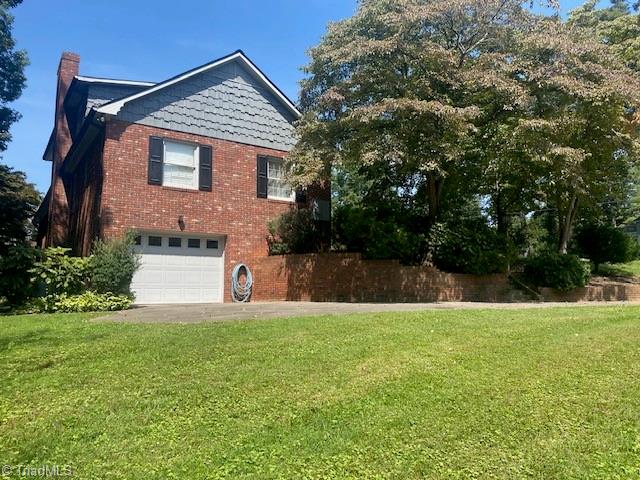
(58, 207)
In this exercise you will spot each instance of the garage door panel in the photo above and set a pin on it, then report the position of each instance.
(179, 274)
(151, 295)
(173, 277)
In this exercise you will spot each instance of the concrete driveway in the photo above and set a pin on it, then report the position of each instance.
(215, 312)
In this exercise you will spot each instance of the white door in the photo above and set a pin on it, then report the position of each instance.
(179, 269)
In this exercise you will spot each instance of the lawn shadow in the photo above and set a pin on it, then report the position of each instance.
(28, 338)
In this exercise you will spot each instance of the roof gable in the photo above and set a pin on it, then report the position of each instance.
(114, 107)
(227, 101)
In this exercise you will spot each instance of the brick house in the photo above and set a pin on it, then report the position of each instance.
(193, 164)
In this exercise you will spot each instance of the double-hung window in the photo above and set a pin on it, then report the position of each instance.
(180, 166)
(277, 187)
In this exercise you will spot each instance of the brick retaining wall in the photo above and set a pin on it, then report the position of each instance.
(597, 291)
(346, 277)
(343, 277)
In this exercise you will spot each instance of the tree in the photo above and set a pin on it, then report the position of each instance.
(616, 26)
(433, 101)
(395, 90)
(12, 78)
(580, 132)
(19, 200)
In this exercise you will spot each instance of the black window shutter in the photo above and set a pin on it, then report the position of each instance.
(262, 176)
(206, 167)
(154, 171)
(301, 196)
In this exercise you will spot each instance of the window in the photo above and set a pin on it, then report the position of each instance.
(194, 243)
(175, 242)
(212, 243)
(277, 188)
(138, 240)
(180, 167)
(155, 241)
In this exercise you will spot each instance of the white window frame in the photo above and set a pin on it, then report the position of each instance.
(196, 165)
(290, 198)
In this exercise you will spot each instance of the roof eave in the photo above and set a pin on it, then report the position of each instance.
(113, 81)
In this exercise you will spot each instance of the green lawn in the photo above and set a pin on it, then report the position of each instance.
(629, 269)
(443, 394)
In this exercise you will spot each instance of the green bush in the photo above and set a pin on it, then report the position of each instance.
(294, 231)
(112, 265)
(469, 246)
(376, 236)
(15, 280)
(563, 272)
(84, 302)
(58, 273)
(605, 244)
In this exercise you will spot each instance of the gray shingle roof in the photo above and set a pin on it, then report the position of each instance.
(226, 102)
(101, 93)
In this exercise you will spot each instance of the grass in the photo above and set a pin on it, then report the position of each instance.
(546, 393)
(629, 269)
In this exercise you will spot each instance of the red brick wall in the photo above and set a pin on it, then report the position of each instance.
(348, 278)
(595, 292)
(231, 209)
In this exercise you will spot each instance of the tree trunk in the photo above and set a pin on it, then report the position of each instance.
(566, 224)
(434, 195)
(502, 218)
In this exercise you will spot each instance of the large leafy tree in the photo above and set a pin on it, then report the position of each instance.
(617, 26)
(12, 78)
(579, 132)
(393, 93)
(570, 144)
(524, 109)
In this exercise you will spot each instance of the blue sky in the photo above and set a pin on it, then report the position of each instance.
(154, 40)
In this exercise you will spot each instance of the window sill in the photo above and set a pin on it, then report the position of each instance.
(281, 200)
(180, 189)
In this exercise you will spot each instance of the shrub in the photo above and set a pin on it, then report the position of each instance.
(376, 236)
(112, 265)
(60, 273)
(605, 244)
(469, 246)
(560, 271)
(294, 231)
(84, 302)
(15, 280)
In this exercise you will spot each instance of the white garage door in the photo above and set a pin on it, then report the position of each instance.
(179, 269)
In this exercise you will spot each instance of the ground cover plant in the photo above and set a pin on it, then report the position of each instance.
(529, 393)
